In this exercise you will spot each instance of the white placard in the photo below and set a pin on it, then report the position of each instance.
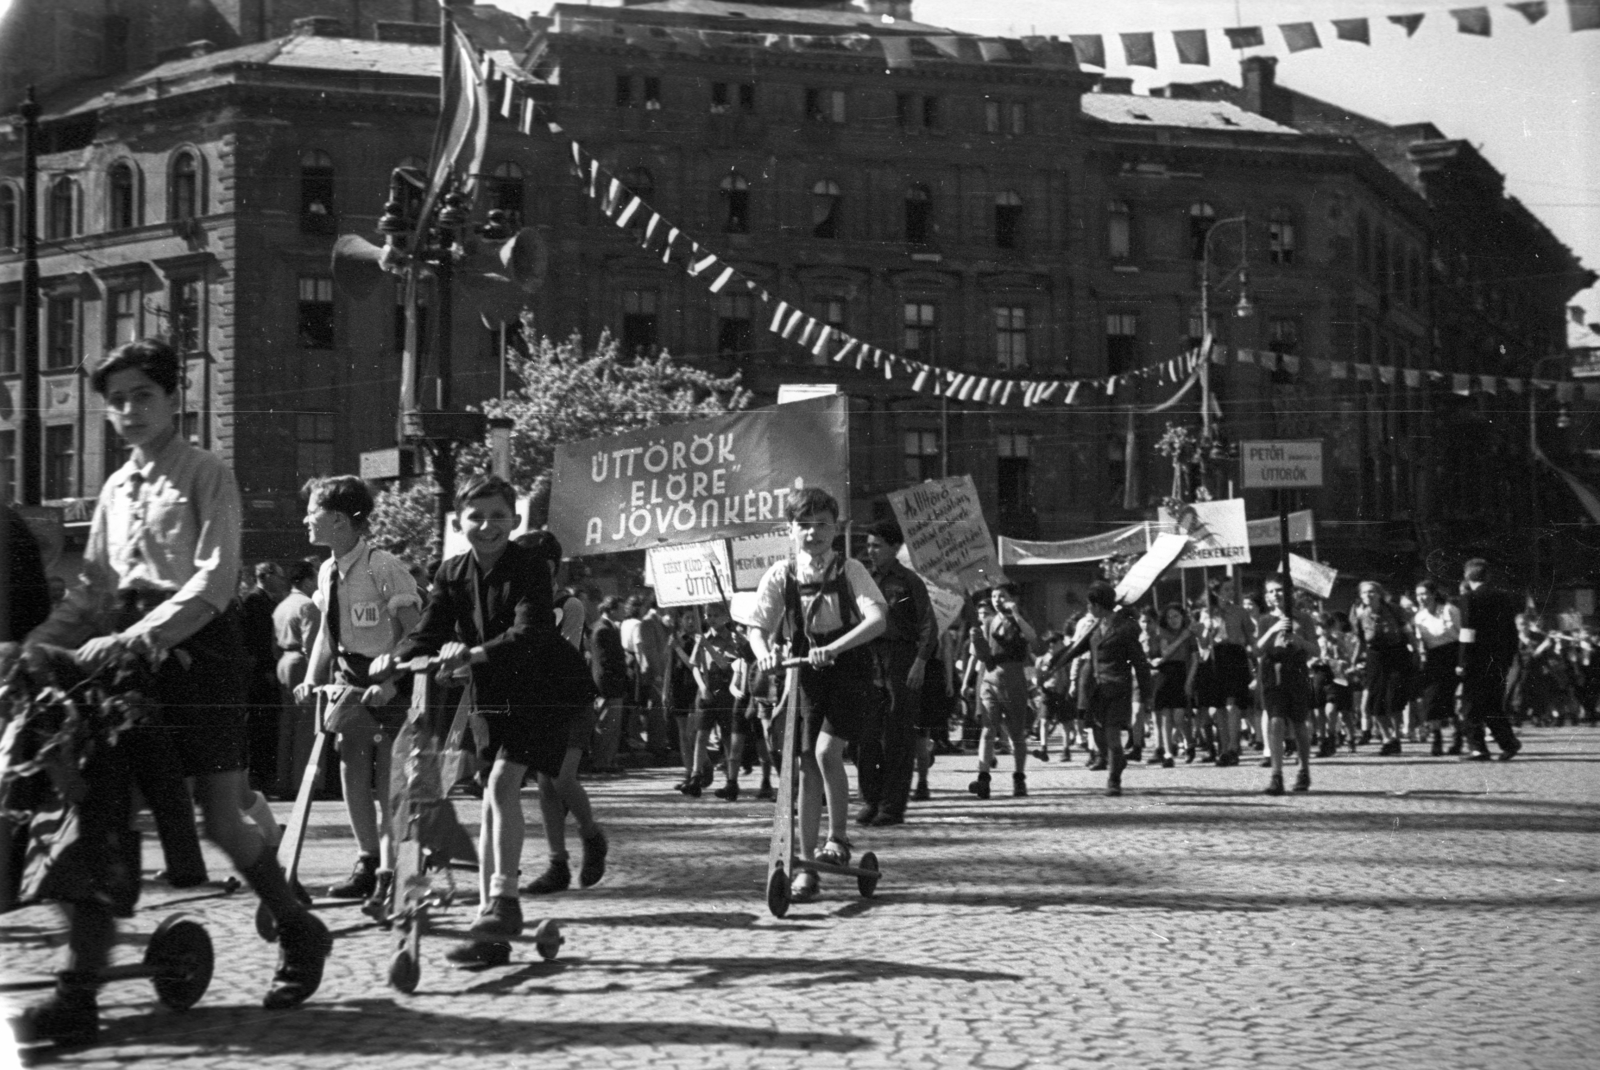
(1145, 571)
(754, 554)
(690, 575)
(1313, 576)
(1218, 533)
(1294, 464)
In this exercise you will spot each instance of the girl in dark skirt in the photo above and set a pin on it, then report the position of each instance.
(1174, 656)
(1437, 627)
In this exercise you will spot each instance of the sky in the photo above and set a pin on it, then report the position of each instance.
(1528, 96)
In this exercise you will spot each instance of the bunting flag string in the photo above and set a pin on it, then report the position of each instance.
(627, 210)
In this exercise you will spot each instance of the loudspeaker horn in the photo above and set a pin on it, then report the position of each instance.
(356, 267)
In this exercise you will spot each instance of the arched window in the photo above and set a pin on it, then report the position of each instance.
(1007, 219)
(316, 193)
(1201, 217)
(919, 215)
(122, 197)
(1119, 230)
(1280, 236)
(10, 221)
(736, 199)
(184, 199)
(61, 211)
(825, 200)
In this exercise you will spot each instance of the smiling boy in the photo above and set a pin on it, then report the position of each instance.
(160, 571)
(490, 611)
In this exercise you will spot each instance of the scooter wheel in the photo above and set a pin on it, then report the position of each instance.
(404, 972)
(547, 939)
(778, 892)
(181, 960)
(867, 882)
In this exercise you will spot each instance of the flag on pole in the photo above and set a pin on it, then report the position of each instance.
(1140, 49)
(1532, 12)
(462, 133)
(1352, 30)
(1410, 22)
(1245, 37)
(1300, 36)
(1090, 49)
(1192, 47)
(1473, 20)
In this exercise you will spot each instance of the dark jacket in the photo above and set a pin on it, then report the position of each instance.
(911, 617)
(1116, 656)
(1490, 614)
(510, 614)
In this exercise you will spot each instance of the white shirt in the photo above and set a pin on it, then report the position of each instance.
(826, 618)
(1437, 629)
(374, 585)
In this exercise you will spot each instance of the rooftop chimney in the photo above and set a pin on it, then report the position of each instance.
(1124, 86)
(1259, 74)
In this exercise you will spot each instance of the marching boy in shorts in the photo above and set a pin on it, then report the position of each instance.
(825, 608)
(160, 571)
(490, 610)
(368, 601)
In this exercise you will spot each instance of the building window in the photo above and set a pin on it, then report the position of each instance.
(1397, 272)
(638, 322)
(904, 103)
(60, 461)
(10, 340)
(10, 219)
(316, 312)
(825, 105)
(734, 333)
(1119, 231)
(723, 95)
(1201, 217)
(921, 328)
(1380, 259)
(186, 333)
(316, 193)
(1005, 117)
(1011, 337)
(919, 215)
(1007, 220)
(1015, 473)
(1280, 237)
(313, 443)
(624, 95)
(1363, 247)
(652, 93)
(184, 202)
(123, 317)
(993, 117)
(922, 455)
(8, 466)
(1018, 112)
(506, 192)
(736, 203)
(825, 200)
(60, 332)
(61, 211)
(189, 428)
(930, 112)
(1416, 285)
(122, 203)
(1122, 342)
(1283, 334)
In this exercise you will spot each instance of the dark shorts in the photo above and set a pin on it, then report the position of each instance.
(202, 714)
(1326, 692)
(1172, 686)
(715, 709)
(1293, 702)
(369, 721)
(840, 698)
(1111, 708)
(615, 686)
(538, 741)
(1223, 677)
(581, 729)
(1003, 699)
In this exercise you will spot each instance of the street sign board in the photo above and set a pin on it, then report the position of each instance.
(392, 463)
(1292, 464)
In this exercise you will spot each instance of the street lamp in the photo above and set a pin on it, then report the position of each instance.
(1244, 309)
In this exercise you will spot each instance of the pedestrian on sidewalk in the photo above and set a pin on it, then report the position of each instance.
(1285, 645)
(368, 601)
(1436, 625)
(910, 640)
(160, 573)
(821, 606)
(1381, 642)
(1487, 652)
(1117, 665)
(1003, 689)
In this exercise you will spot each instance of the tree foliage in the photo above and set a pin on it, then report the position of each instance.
(562, 393)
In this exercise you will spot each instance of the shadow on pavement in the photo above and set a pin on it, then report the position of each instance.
(1259, 903)
(376, 1026)
(719, 971)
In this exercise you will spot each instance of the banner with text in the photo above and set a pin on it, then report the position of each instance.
(1313, 576)
(1302, 528)
(1218, 533)
(1133, 539)
(699, 480)
(754, 554)
(946, 536)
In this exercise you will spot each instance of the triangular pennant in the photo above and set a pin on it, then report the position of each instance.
(613, 197)
(1090, 49)
(969, 388)
(806, 330)
(896, 51)
(1290, 363)
(1461, 384)
(849, 345)
(1591, 391)
(696, 267)
(1413, 378)
(1050, 389)
(949, 46)
(1139, 48)
(577, 157)
(1386, 373)
(1473, 20)
(530, 111)
(594, 178)
(1584, 14)
(508, 102)
(627, 214)
(1488, 384)
(722, 280)
(777, 317)
(795, 319)
(650, 227)
(1005, 395)
(1300, 36)
(994, 51)
(1515, 386)
(1410, 22)
(1245, 37)
(1111, 386)
(1320, 366)
(1532, 12)
(1246, 356)
(1363, 373)
(1566, 391)
(1352, 30)
(1339, 369)
(920, 380)
(666, 251)
(1192, 47)
(821, 347)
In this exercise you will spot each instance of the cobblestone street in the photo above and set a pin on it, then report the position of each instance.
(1409, 912)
